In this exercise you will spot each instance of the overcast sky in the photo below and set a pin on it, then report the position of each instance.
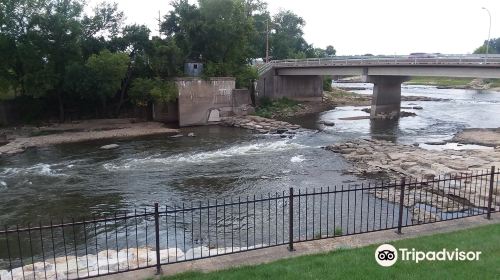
(368, 26)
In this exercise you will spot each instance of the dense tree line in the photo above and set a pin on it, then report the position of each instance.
(56, 58)
(494, 47)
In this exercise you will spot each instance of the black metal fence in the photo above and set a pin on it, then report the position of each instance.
(180, 233)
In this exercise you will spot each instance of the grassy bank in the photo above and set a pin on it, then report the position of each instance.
(452, 82)
(439, 81)
(360, 263)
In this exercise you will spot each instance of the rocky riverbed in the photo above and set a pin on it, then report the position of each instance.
(377, 156)
(108, 261)
(462, 193)
(261, 125)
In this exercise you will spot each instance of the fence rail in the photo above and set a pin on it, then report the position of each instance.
(179, 233)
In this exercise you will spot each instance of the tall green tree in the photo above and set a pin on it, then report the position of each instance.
(217, 32)
(287, 36)
(107, 71)
(330, 51)
(135, 42)
(494, 47)
(54, 41)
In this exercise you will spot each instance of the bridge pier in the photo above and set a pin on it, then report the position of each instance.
(386, 100)
(300, 88)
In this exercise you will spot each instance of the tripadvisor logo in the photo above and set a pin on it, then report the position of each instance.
(387, 255)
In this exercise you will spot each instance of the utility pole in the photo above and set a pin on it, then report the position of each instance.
(267, 41)
(159, 24)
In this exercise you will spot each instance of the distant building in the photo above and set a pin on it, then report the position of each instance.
(193, 68)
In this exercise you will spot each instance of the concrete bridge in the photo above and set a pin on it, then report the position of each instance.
(301, 79)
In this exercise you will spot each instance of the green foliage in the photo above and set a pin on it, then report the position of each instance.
(494, 47)
(215, 31)
(330, 51)
(246, 76)
(270, 108)
(286, 39)
(166, 58)
(144, 91)
(52, 52)
(107, 70)
(338, 231)
(440, 81)
(327, 83)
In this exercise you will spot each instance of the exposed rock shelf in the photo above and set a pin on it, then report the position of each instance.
(260, 124)
(479, 136)
(460, 193)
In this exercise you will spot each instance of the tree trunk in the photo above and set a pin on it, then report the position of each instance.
(149, 111)
(61, 107)
(104, 111)
(123, 90)
(125, 83)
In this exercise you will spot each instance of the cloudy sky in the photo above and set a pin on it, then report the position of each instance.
(368, 26)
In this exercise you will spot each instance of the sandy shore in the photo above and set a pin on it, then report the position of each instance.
(28, 137)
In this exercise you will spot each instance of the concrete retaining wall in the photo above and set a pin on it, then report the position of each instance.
(204, 101)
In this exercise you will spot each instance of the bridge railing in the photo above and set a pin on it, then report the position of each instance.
(486, 60)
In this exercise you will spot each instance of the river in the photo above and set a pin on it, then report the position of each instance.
(79, 180)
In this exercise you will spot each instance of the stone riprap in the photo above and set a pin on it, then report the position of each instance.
(377, 157)
(109, 261)
(260, 124)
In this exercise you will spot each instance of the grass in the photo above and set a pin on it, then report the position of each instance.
(439, 81)
(281, 107)
(360, 263)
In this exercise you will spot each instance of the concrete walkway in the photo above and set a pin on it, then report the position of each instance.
(306, 248)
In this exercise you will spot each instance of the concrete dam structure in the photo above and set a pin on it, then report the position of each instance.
(301, 79)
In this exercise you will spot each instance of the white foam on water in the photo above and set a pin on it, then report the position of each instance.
(299, 158)
(206, 157)
(3, 185)
(42, 169)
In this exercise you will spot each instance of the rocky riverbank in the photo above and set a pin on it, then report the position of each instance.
(108, 261)
(381, 158)
(371, 157)
(18, 140)
(261, 125)
(479, 136)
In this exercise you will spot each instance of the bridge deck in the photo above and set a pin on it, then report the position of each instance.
(450, 61)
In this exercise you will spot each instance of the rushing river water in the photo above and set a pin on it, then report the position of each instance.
(81, 180)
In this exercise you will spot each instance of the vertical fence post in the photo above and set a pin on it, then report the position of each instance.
(290, 221)
(157, 237)
(490, 194)
(401, 201)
